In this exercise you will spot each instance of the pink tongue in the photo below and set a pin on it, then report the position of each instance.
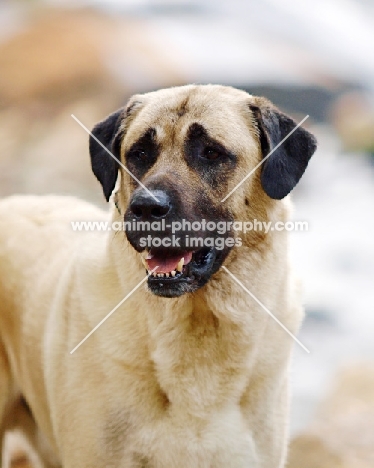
(167, 264)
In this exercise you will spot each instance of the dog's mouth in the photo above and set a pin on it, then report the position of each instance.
(172, 273)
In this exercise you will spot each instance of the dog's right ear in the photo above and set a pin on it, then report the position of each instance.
(104, 165)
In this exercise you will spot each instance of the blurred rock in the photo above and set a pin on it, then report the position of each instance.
(353, 118)
(56, 57)
(49, 155)
(309, 451)
(67, 62)
(342, 434)
(66, 54)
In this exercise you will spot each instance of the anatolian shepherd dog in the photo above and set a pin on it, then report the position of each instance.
(189, 371)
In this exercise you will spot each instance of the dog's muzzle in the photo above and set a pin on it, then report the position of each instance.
(174, 267)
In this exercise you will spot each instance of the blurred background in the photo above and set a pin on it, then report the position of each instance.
(314, 57)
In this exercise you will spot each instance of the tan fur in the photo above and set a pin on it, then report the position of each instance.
(198, 381)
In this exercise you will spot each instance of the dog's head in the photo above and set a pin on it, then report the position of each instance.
(180, 152)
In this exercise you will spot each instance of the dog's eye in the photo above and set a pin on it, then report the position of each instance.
(138, 153)
(211, 153)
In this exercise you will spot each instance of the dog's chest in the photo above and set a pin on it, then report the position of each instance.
(166, 441)
(200, 364)
(188, 407)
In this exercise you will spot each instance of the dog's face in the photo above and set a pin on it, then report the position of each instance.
(180, 152)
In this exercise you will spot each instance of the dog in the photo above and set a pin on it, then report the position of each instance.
(188, 371)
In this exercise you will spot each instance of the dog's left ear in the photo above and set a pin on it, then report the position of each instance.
(104, 166)
(283, 169)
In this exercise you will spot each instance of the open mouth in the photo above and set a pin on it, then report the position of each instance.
(174, 272)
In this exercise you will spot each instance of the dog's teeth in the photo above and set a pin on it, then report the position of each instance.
(154, 274)
(173, 273)
(180, 264)
(160, 275)
(167, 275)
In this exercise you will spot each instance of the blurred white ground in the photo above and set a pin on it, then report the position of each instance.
(335, 260)
(267, 41)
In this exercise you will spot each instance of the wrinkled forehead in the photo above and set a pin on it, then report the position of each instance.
(223, 112)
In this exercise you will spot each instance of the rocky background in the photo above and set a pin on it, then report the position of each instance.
(310, 57)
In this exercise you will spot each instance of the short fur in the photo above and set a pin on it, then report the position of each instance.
(194, 381)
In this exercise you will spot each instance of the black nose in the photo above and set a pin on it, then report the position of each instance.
(144, 206)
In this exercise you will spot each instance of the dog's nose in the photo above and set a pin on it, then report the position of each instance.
(144, 206)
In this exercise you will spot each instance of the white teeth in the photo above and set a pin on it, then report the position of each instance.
(180, 264)
(162, 275)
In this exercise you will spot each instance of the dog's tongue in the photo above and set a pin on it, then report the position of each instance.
(166, 263)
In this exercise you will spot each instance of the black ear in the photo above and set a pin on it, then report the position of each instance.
(104, 166)
(283, 169)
